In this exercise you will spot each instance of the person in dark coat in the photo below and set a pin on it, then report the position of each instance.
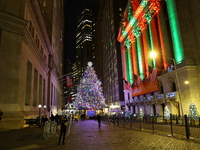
(99, 120)
(1, 113)
(44, 119)
(63, 123)
(52, 118)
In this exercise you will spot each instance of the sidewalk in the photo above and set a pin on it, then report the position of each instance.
(27, 138)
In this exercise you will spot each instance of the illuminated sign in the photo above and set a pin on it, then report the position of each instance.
(150, 97)
(159, 96)
(171, 94)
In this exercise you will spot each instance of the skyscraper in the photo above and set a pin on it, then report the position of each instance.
(108, 54)
(85, 30)
(84, 36)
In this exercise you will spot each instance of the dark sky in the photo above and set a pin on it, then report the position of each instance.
(72, 7)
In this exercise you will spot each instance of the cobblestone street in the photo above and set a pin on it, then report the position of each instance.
(85, 135)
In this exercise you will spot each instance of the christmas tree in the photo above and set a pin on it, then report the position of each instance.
(141, 114)
(193, 111)
(89, 92)
(166, 113)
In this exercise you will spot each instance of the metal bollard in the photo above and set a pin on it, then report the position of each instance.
(199, 121)
(171, 124)
(177, 119)
(186, 127)
(153, 124)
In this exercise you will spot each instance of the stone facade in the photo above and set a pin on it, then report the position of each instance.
(172, 90)
(31, 60)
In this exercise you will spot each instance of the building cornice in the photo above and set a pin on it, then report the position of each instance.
(33, 47)
(38, 20)
(12, 23)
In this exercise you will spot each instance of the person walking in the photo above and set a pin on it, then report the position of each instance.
(99, 120)
(1, 113)
(63, 123)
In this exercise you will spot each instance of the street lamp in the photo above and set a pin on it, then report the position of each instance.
(186, 82)
(39, 106)
(45, 106)
(153, 55)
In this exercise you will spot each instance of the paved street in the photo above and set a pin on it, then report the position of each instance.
(85, 135)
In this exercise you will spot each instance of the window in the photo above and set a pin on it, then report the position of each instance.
(40, 90)
(0, 35)
(44, 3)
(28, 83)
(35, 92)
(173, 87)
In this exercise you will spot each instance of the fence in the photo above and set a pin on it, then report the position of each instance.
(49, 129)
(185, 127)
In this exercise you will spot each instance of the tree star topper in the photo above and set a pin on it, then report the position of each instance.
(90, 64)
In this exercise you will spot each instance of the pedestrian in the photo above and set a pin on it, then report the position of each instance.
(99, 120)
(84, 116)
(81, 117)
(44, 120)
(52, 118)
(56, 118)
(63, 122)
(1, 113)
(76, 118)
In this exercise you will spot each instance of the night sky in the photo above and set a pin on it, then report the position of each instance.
(72, 7)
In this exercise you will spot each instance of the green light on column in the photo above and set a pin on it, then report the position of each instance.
(139, 53)
(152, 44)
(129, 64)
(175, 31)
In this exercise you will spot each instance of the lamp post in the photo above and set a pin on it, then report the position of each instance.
(153, 55)
(39, 106)
(45, 106)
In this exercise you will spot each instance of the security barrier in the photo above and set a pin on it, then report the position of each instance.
(190, 128)
(49, 129)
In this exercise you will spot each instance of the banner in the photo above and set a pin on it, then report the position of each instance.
(144, 88)
(70, 98)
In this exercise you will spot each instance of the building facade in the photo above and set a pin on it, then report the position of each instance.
(31, 54)
(84, 37)
(168, 28)
(109, 53)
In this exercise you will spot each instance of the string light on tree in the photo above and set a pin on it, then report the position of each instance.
(89, 91)
(193, 111)
(166, 113)
(141, 114)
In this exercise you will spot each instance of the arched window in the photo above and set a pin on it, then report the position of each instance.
(161, 89)
(173, 86)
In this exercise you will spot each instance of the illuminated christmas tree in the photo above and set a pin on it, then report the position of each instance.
(89, 91)
(141, 114)
(166, 113)
(193, 111)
